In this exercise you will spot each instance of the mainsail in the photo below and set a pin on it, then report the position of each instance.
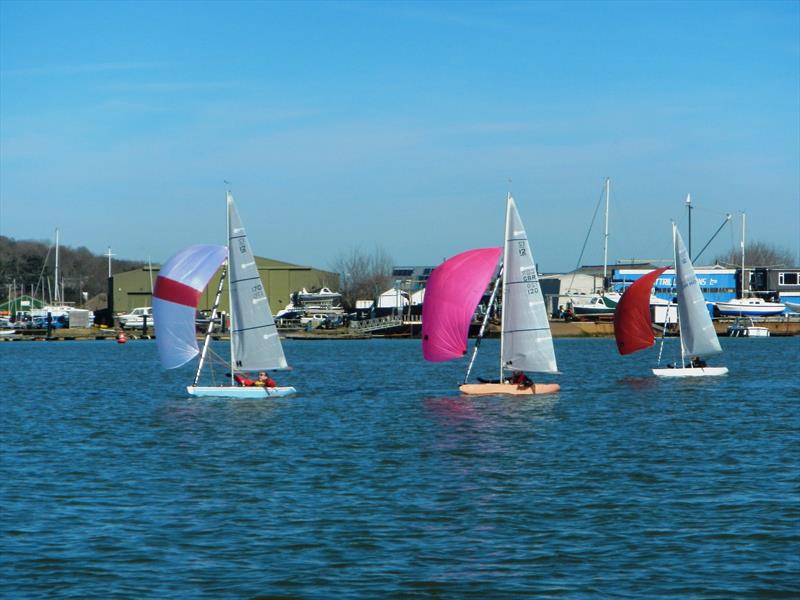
(177, 292)
(254, 336)
(698, 337)
(527, 344)
(633, 328)
(454, 289)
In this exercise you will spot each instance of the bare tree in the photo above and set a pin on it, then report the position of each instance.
(756, 254)
(363, 276)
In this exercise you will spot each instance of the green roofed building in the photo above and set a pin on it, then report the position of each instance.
(20, 303)
(133, 289)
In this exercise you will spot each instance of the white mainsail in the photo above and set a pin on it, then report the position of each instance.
(526, 341)
(698, 337)
(255, 344)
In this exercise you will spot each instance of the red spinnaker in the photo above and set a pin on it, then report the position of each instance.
(632, 326)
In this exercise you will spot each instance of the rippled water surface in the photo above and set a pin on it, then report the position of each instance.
(378, 480)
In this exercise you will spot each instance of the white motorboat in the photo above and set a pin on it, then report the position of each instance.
(745, 327)
(749, 307)
(136, 318)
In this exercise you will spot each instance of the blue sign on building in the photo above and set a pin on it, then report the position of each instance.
(717, 285)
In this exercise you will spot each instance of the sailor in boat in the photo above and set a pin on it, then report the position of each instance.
(697, 363)
(519, 379)
(263, 380)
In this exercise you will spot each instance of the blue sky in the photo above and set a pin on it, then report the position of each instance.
(399, 125)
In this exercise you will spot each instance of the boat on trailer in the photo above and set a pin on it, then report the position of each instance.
(254, 341)
(456, 287)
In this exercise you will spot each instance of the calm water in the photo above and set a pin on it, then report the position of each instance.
(378, 481)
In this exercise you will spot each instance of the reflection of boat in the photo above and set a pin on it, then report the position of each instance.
(750, 307)
(697, 334)
(453, 292)
(254, 341)
(745, 327)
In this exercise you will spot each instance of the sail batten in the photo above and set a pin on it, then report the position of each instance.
(252, 349)
(526, 339)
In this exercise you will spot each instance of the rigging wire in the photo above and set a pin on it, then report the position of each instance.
(586, 240)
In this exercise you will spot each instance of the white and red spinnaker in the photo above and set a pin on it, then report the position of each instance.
(177, 292)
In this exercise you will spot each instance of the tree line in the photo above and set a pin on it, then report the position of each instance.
(31, 264)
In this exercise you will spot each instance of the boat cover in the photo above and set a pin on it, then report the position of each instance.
(178, 288)
(632, 324)
(454, 289)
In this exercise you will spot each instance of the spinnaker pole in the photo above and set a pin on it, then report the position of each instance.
(483, 325)
(210, 326)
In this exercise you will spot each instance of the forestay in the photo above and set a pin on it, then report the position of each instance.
(698, 337)
(177, 291)
(527, 344)
(453, 291)
(254, 336)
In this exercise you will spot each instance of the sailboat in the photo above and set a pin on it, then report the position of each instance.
(456, 287)
(254, 341)
(603, 302)
(697, 334)
(746, 305)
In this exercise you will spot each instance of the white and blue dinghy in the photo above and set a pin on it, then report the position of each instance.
(254, 341)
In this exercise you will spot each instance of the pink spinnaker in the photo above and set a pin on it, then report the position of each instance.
(454, 289)
(177, 292)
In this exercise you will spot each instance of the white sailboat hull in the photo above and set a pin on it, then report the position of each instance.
(691, 372)
(246, 393)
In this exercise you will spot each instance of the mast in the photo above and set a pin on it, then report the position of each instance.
(605, 235)
(56, 298)
(743, 274)
(502, 279)
(210, 328)
(230, 287)
(483, 325)
(109, 255)
(677, 283)
(689, 206)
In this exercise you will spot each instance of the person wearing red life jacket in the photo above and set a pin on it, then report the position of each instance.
(265, 380)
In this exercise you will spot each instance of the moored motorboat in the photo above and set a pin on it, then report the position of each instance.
(749, 307)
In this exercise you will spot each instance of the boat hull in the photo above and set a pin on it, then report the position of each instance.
(691, 372)
(493, 389)
(749, 310)
(247, 393)
(749, 331)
